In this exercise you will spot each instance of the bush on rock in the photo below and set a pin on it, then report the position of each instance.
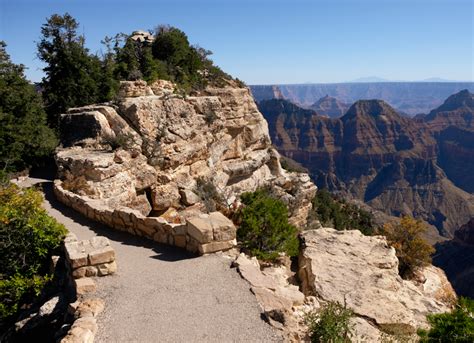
(454, 326)
(264, 230)
(412, 250)
(330, 324)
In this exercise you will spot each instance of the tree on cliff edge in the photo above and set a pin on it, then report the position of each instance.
(24, 136)
(73, 76)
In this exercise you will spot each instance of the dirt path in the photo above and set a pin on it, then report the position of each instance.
(163, 294)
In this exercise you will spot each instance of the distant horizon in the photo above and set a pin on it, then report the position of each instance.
(275, 41)
(353, 81)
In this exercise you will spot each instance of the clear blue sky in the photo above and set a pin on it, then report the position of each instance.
(273, 41)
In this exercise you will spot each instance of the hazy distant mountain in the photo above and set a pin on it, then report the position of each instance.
(370, 79)
(408, 97)
(329, 106)
(379, 79)
(436, 79)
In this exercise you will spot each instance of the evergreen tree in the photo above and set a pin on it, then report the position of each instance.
(24, 136)
(73, 77)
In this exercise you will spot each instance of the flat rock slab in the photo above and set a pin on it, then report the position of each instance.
(362, 272)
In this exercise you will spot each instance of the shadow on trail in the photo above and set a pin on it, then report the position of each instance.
(164, 252)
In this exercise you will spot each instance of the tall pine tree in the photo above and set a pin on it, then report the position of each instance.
(24, 136)
(73, 76)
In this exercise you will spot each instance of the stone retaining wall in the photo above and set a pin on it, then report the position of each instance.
(92, 257)
(203, 233)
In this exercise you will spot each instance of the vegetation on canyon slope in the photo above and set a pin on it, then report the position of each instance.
(454, 326)
(28, 235)
(335, 212)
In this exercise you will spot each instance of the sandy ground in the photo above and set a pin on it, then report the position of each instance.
(163, 294)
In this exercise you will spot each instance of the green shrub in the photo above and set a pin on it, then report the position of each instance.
(412, 250)
(264, 230)
(331, 323)
(455, 326)
(334, 212)
(27, 238)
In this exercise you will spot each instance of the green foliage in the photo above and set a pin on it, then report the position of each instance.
(264, 230)
(330, 324)
(134, 60)
(27, 237)
(335, 212)
(24, 136)
(73, 76)
(455, 326)
(185, 64)
(412, 250)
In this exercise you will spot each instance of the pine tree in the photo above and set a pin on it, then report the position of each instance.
(73, 77)
(24, 136)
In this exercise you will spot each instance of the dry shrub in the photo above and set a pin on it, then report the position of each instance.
(412, 250)
(76, 184)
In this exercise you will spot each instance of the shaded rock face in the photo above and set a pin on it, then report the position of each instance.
(456, 258)
(394, 164)
(453, 125)
(165, 143)
(330, 107)
(362, 272)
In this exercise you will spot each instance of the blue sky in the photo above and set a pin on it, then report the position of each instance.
(273, 41)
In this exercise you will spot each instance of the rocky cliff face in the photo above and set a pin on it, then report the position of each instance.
(167, 156)
(373, 154)
(330, 107)
(453, 126)
(456, 258)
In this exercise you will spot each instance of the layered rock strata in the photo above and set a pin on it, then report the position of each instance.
(394, 164)
(154, 162)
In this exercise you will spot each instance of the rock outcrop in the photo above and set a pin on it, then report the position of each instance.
(362, 272)
(154, 160)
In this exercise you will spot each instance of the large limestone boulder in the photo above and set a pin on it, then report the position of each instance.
(362, 272)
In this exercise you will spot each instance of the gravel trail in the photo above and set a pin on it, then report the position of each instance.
(163, 294)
